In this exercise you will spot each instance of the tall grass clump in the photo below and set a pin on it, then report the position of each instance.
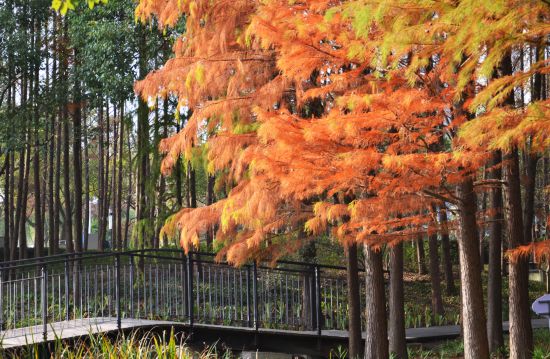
(136, 345)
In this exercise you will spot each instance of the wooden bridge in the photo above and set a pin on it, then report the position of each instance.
(73, 295)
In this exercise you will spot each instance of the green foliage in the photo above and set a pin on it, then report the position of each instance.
(62, 6)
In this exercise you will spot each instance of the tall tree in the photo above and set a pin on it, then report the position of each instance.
(376, 330)
(396, 332)
(354, 303)
(494, 285)
(77, 155)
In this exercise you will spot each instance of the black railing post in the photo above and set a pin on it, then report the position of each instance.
(190, 287)
(44, 294)
(248, 307)
(67, 298)
(1, 298)
(318, 299)
(184, 287)
(117, 292)
(131, 286)
(255, 295)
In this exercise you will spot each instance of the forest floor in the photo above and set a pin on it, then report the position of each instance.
(454, 349)
(418, 300)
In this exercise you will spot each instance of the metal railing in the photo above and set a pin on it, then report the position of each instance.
(165, 284)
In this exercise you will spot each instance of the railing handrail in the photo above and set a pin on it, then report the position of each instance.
(78, 256)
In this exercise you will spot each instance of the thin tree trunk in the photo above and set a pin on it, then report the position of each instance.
(51, 194)
(120, 167)
(473, 313)
(435, 276)
(450, 287)
(210, 200)
(178, 175)
(12, 228)
(100, 178)
(354, 328)
(57, 188)
(397, 342)
(7, 205)
(494, 286)
(38, 214)
(114, 180)
(376, 327)
(130, 187)
(19, 204)
(66, 147)
(142, 144)
(86, 216)
(67, 185)
(530, 162)
(192, 186)
(77, 161)
(421, 256)
(24, 197)
(521, 334)
(106, 186)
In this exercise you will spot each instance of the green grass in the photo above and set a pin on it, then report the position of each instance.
(136, 345)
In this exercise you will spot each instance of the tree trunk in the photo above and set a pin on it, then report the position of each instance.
(494, 286)
(354, 305)
(106, 186)
(530, 163)
(12, 228)
(308, 253)
(57, 188)
(77, 161)
(421, 256)
(38, 214)
(19, 205)
(450, 287)
(51, 194)
(67, 185)
(100, 179)
(473, 313)
(521, 335)
(114, 191)
(130, 187)
(435, 276)
(86, 216)
(376, 327)
(192, 186)
(24, 197)
(7, 205)
(66, 146)
(397, 342)
(210, 200)
(120, 167)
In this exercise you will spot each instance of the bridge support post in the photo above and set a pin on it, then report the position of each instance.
(117, 292)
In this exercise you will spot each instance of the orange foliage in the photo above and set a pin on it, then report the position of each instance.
(338, 116)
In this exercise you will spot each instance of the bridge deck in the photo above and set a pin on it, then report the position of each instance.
(82, 327)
